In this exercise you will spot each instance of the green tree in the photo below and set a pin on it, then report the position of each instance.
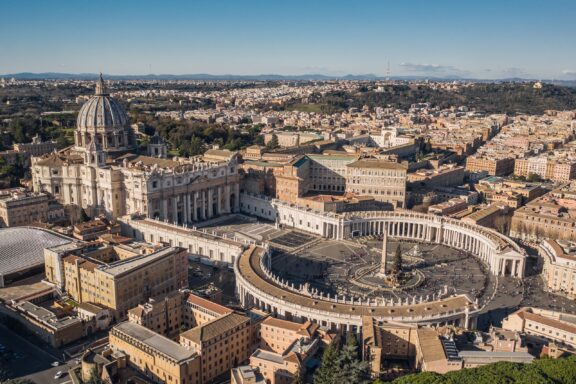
(533, 178)
(351, 369)
(397, 266)
(326, 373)
(196, 146)
(273, 143)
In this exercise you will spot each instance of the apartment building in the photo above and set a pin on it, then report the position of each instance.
(449, 207)
(164, 315)
(278, 335)
(559, 270)
(552, 216)
(20, 208)
(222, 344)
(284, 348)
(159, 358)
(548, 168)
(494, 166)
(543, 326)
(444, 176)
(37, 147)
(116, 277)
(202, 311)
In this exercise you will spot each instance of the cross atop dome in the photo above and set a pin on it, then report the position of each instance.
(101, 86)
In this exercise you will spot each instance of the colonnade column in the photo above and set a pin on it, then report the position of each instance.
(210, 203)
(175, 209)
(195, 206)
(219, 200)
(227, 199)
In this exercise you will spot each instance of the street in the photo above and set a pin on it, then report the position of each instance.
(26, 360)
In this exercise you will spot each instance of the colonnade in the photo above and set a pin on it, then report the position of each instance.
(198, 205)
(254, 291)
(502, 255)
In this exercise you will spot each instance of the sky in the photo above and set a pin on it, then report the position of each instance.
(486, 39)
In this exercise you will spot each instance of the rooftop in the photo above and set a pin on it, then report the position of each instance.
(376, 163)
(118, 268)
(155, 341)
(22, 248)
(209, 305)
(215, 328)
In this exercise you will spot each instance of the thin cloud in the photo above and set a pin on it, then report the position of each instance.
(568, 72)
(514, 71)
(430, 68)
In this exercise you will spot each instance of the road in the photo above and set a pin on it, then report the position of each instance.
(30, 361)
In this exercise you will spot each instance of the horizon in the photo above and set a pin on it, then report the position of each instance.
(487, 41)
(87, 76)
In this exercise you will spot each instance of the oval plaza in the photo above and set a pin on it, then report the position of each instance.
(258, 285)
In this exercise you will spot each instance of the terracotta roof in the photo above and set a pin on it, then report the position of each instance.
(306, 329)
(215, 328)
(209, 305)
(430, 345)
(71, 259)
(136, 311)
(527, 314)
(88, 265)
(375, 163)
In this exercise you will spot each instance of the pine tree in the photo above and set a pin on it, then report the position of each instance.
(351, 369)
(398, 260)
(273, 143)
(326, 373)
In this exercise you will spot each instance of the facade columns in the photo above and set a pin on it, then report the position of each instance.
(236, 197)
(210, 203)
(186, 208)
(203, 205)
(175, 209)
(164, 209)
(195, 206)
(227, 199)
(219, 200)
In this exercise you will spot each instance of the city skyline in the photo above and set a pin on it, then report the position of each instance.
(488, 41)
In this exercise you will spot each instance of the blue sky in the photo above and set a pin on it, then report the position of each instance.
(482, 39)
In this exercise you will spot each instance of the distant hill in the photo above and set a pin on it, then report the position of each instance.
(262, 77)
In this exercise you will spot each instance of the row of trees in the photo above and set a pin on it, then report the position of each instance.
(491, 98)
(541, 371)
(23, 129)
(191, 137)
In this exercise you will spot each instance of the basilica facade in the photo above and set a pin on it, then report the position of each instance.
(103, 174)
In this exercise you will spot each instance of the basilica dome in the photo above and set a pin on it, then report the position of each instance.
(103, 119)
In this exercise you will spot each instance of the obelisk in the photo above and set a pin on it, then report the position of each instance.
(384, 254)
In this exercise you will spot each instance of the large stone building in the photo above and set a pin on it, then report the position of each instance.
(341, 173)
(222, 343)
(543, 326)
(101, 175)
(18, 208)
(118, 277)
(385, 180)
(552, 216)
(159, 358)
(549, 168)
(494, 166)
(559, 271)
